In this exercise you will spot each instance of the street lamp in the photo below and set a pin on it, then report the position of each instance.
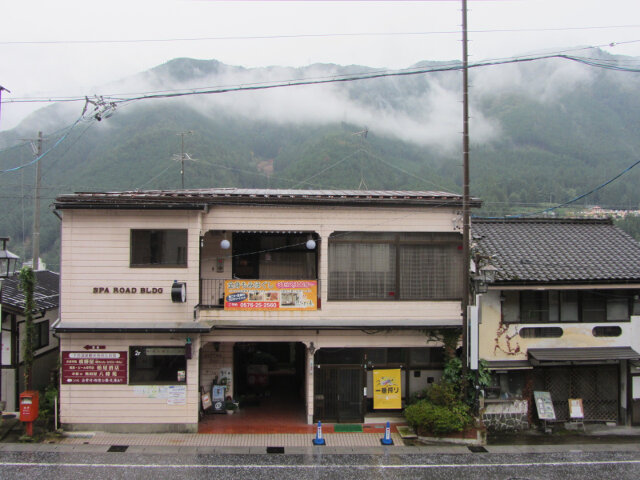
(8, 260)
(485, 276)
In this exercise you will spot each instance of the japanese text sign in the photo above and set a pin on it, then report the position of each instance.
(387, 388)
(94, 367)
(270, 295)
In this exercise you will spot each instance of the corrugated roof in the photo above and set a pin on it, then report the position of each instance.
(557, 250)
(198, 198)
(46, 291)
(581, 355)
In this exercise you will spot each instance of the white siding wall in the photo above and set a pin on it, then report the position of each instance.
(95, 253)
(120, 404)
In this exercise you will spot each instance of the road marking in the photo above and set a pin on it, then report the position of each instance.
(309, 466)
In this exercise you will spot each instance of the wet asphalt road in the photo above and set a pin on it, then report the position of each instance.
(31, 465)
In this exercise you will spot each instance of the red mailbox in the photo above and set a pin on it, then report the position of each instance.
(29, 406)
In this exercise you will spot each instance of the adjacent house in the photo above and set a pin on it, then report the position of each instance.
(301, 295)
(563, 315)
(45, 344)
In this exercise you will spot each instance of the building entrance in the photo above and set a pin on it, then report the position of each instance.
(266, 370)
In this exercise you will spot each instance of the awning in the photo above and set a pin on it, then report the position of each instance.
(130, 327)
(546, 356)
(509, 365)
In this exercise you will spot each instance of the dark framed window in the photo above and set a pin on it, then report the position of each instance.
(395, 266)
(541, 332)
(157, 365)
(550, 306)
(158, 248)
(40, 335)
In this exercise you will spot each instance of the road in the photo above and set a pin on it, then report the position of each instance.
(607, 464)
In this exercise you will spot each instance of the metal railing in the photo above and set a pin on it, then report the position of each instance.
(212, 292)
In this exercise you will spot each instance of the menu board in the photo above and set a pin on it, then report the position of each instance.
(544, 405)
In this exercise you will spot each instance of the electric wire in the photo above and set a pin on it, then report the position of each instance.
(310, 35)
(573, 200)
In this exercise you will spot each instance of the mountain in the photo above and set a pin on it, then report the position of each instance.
(541, 132)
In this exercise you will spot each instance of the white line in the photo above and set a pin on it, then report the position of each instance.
(309, 466)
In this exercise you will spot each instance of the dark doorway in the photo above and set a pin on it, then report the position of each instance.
(266, 370)
(338, 394)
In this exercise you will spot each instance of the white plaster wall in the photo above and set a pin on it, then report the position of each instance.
(501, 341)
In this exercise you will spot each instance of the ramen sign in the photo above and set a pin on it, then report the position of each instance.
(266, 295)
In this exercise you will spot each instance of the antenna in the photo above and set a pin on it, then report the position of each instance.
(363, 135)
(183, 156)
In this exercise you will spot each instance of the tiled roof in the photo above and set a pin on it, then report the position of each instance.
(557, 250)
(198, 198)
(46, 292)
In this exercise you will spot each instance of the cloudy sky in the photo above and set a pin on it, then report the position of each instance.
(72, 48)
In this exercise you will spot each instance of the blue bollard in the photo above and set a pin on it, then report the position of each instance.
(319, 440)
(386, 440)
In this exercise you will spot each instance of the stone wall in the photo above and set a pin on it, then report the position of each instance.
(506, 416)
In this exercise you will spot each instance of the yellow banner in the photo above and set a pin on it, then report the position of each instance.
(387, 388)
(262, 295)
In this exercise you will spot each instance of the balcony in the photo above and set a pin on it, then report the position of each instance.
(259, 271)
(258, 295)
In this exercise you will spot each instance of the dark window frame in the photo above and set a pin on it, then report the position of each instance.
(138, 244)
(584, 298)
(40, 335)
(162, 364)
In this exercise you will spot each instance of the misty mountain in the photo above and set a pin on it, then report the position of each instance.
(541, 132)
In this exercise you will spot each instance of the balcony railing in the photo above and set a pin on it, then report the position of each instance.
(259, 295)
(212, 292)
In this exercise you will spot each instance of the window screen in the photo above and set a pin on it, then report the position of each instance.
(395, 266)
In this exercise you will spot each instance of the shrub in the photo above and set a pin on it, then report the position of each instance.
(438, 419)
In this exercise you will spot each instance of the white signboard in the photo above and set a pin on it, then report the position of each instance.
(544, 405)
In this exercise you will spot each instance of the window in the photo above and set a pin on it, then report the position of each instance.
(40, 335)
(551, 306)
(612, 331)
(158, 248)
(395, 266)
(541, 332)
(157, 365)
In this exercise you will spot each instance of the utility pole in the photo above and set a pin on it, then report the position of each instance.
(183, 156)
(36, 146)
(466, 227)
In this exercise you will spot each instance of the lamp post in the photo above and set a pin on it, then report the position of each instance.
(8, 260)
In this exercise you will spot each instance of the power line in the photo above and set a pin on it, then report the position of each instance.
(573, 200)
(310, 35)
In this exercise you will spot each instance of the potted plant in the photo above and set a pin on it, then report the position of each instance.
(230, 406)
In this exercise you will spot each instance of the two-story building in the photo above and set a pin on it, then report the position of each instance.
(45, 344)
(562, 315)
(293, 294)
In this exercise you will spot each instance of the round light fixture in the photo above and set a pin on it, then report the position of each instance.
(311, 244)
(225, 244)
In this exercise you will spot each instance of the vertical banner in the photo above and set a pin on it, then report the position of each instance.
(387, 389)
